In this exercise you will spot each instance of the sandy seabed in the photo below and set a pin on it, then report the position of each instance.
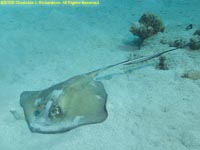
(148, 108)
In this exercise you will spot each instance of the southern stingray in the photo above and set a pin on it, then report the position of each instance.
(77, 101)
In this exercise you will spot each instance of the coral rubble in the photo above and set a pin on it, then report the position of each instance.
(193, 75)
(194, 43)
(197, 32)
(148, 25)
(162, 63)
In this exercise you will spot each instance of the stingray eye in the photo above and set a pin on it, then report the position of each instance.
(55, 111)
(36, 113)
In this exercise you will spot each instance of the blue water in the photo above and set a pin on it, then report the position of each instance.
(43, 45)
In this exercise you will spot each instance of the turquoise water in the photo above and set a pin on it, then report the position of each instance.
(147, 108)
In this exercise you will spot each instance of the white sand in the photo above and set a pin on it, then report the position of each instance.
(148, 108)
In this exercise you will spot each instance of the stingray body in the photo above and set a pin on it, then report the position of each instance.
(64, 106)
(78, 101)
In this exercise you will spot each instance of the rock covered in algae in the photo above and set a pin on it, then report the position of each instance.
(148, 25)
(197, 32)
(193, 75)
(194, 43)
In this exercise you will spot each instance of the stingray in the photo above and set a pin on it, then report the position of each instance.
(78, 101)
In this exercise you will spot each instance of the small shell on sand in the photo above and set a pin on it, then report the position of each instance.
(17, 114)
(193, 75)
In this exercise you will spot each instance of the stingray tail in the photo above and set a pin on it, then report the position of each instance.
(133, 61)
(98, 71)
